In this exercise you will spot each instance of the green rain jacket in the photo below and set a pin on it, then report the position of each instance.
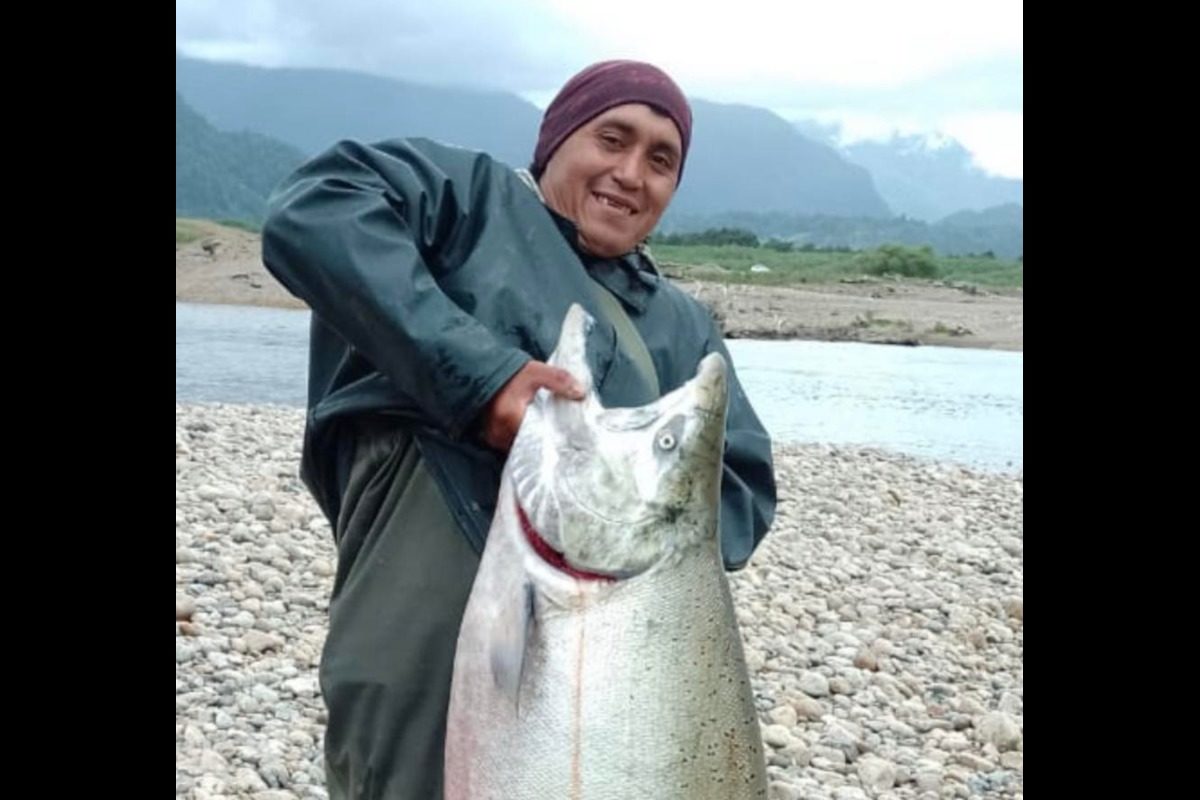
(434, 274)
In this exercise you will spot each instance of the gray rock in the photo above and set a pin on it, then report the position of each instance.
(925, 724)
(274, 608)
(194, 737)
(876, 774)
(842, 736)
(302, 687)
(973, 762)
(776, 735)
(779, 790)
(1010, 703)
(849, 793)
(247, 780)
(274, 773)
(208, 786)
(212, 761)
(829, 757)
(1015, 608)
(784, 715)
(183, 652)
(807, 708)
(866, 659)
(258, 642)
(954, 742)
(185, 607)
(814, 684)
(1000, 729)
(969, 705)
(265, 695)
(929, 780)
(1013, 760)
(262, 508)
(981, 783)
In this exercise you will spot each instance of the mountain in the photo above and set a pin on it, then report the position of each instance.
(741, 157)
(224, 175)
(930, 181)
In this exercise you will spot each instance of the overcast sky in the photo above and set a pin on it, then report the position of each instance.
(871, 66)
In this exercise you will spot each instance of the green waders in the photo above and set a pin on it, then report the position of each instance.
(404, 575)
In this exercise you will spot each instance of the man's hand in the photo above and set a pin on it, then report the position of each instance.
(502, 416)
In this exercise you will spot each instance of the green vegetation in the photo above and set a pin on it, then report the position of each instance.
(186, 231)
(221, 175)
(714, 236)
(732, 264)
(241, 224)
(190, 229)
(896, 259)
(998, 230)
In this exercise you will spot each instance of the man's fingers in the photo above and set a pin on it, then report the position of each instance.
(503, 414)
(558, 381)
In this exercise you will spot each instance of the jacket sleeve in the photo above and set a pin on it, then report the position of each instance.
(360, 233)
(748, 482)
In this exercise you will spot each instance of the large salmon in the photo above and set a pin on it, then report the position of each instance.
(599, 656)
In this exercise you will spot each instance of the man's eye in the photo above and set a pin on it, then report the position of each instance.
(664, 165)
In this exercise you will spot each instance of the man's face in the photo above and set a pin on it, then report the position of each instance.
(614, 176)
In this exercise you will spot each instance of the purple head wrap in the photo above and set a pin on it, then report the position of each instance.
(603, 86)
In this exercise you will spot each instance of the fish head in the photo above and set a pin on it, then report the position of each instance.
(615, 491)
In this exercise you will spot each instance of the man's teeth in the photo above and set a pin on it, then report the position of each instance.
(609, 202)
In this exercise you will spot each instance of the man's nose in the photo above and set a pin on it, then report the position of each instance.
(628, 170)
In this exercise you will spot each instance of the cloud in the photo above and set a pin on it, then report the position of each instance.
(874, 66)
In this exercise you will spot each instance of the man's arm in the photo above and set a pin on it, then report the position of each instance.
(358, 234)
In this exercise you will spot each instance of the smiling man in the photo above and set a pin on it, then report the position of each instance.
(438, 279)
(614, 176)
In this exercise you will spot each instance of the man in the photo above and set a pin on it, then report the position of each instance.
(438, 279)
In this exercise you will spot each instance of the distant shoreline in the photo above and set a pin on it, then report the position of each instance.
(224, 267)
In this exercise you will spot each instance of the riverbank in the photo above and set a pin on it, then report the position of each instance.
(223, 265)
(882, 616)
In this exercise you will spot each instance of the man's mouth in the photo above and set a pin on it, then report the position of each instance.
(614, 203)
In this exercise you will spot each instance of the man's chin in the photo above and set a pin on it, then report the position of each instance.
(606, 245)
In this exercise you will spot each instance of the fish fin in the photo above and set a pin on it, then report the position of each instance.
(510, 638)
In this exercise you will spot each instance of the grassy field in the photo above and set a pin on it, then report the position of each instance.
(188, 229)
(731, 264)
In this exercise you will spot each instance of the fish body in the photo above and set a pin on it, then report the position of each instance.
(599, 656)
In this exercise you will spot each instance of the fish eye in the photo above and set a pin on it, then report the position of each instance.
(666, 441)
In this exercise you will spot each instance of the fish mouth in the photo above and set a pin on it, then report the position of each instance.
(553, 557)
